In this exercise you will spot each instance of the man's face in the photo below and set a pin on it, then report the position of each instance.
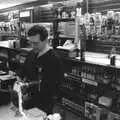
(36, 43)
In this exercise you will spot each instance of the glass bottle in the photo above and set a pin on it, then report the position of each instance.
(112, 56)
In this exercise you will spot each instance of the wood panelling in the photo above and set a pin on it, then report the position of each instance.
(103, 5)
(43, 15)
(102, 46)
(29, 4)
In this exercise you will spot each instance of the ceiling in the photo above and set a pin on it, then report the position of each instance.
(11, 3)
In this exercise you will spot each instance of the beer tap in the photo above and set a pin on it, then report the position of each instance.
(110, 23)
(18, 88)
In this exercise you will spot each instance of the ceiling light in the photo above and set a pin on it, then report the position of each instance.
(8, 3)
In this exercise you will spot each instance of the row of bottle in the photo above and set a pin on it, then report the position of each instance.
(68, 84)
(11, 26)
(84, 71)
(95, 73)
(6, 28)
(97, 23)
(62, 13)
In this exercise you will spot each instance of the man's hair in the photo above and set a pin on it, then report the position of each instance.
(36, 29)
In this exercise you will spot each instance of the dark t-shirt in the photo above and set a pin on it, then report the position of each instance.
(48, 68)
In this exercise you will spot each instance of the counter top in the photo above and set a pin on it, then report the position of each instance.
(6, 113)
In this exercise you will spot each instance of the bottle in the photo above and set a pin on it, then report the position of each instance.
(98, 23)
(112, 56)
(116, 23)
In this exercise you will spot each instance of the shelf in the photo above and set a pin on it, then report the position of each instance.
(8, 34)
(83, 80)
(107, 42)
(73, 105)
(74, 77)
(112, 36)
(65, 19)
(71, 38)
(5, 90)
(116, 36)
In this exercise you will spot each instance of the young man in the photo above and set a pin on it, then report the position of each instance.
(42, 63)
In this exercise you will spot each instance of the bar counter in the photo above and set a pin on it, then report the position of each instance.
(99, 59)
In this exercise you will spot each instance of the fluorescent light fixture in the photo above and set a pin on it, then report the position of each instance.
(11, 3)
(6, 5)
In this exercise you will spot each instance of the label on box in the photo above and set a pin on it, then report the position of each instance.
(89, 82)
